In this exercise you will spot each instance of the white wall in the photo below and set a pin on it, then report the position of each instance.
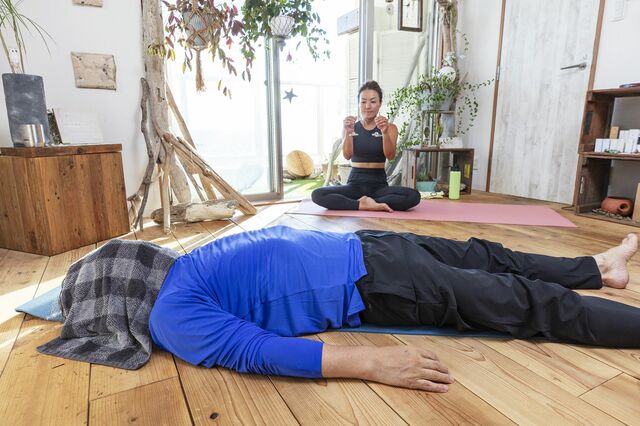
(618, 58)
(114, 29)
(480, 21)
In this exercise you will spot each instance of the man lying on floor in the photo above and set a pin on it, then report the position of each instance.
(236, 301)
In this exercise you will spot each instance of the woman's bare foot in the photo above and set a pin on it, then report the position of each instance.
(613, 262)
(368, 203)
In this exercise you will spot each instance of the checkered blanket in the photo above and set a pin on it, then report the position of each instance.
(106, 301)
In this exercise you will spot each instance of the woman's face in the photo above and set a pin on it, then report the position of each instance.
(369, 103)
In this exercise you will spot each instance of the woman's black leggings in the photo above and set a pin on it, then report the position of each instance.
(369, 182)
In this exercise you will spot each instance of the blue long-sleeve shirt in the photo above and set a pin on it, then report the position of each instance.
(235, 301)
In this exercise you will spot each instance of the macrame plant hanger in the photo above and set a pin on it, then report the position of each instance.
(199, 23)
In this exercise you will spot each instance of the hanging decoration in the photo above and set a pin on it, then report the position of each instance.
(289, 95)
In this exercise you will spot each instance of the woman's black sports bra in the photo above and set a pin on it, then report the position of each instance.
(367, 146)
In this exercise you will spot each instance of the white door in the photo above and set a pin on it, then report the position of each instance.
(539, 107)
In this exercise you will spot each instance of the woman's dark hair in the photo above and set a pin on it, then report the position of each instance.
(371, 85)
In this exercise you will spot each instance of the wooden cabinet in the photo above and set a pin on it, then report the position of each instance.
(435, 164)
(59, 198)
(592, 176)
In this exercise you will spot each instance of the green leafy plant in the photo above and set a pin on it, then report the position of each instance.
(433, 94)
(258, 13)
(12, 21)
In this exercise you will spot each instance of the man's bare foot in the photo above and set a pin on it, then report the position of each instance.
(368, 203)
(613, 262)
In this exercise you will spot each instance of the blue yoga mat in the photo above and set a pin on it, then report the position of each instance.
(422, 331)
(45, 306)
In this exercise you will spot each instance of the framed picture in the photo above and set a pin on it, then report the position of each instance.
(410, 15)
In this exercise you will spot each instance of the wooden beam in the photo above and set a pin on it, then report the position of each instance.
(495, 100)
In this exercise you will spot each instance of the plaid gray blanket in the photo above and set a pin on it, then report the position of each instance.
(106, 301)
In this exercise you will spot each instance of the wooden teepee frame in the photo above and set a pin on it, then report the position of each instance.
(176, 158)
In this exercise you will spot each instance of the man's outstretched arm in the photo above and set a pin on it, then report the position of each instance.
(404, 366)
(201, 333)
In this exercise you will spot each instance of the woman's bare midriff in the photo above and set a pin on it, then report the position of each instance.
(367, 165)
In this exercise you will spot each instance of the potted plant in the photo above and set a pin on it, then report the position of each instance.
(24, 93)
(425, 183)
(424, 104)
(257, 15)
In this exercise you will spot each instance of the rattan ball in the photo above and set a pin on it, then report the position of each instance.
(299, 164)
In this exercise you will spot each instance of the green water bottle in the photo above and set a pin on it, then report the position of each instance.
(454, 183)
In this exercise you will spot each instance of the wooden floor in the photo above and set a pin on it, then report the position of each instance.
(498, 381)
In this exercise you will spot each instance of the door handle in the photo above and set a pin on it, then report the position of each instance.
(581, 65)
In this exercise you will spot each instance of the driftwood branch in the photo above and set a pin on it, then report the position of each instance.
(197, 212)
(165, 188)
(153, 33)
(188, 154)
(139, 199)
(186, 134)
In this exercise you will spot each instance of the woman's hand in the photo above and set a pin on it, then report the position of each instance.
(382, 123)
(349, 123)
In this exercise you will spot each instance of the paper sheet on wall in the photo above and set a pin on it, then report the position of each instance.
(78, 127)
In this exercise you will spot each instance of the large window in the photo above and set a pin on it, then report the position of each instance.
(312, 121)
(231, 134)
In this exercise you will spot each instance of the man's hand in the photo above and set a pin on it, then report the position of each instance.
(403, 366)
(382, 123)
(411, 367)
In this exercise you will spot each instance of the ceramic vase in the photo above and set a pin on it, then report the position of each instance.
(617, 205)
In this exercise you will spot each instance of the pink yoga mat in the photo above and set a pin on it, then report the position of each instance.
(455, 211)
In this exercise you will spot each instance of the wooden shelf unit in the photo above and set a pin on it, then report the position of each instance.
(592, 175)
(463, 157)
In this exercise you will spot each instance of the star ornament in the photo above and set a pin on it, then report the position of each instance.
(289, 95)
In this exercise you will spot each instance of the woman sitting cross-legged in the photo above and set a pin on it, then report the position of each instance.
(368, 144)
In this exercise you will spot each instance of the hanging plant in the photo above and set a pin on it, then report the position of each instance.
(258, 13)
(204, 26)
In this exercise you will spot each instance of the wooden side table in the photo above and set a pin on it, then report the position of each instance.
(419, 161)
(59, 198)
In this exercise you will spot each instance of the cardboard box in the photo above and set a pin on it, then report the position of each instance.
(614, 132)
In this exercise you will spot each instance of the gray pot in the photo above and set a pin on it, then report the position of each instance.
(24, 96)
